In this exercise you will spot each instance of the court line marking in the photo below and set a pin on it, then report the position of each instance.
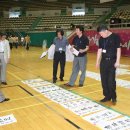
(31, 72)
(91, 92)
(71, 88)
(21, 107)
(16, 99)
(7, 86)
(59, 113)
(49, 107)
(14, 75)
(20, 80)
(39, 76)
(31, 95)
(100, 104)
(54, 110)
(38, 95)
(75, 88)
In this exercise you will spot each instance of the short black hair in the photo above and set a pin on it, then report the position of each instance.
(102, 27)
(61, 31)
(3, 34)
(80, 27)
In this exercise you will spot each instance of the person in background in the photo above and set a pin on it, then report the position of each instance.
(27, 42)
(22, 41)
(15, 41)
(11, 41)
(80, 43)
(3, 98)
(108, 58)
(4, 57)
(60, 43)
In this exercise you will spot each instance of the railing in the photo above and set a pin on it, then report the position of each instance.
(69, 36)
(119, 25)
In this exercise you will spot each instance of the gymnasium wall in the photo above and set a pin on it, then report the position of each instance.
(123, 33)
(38, 38)
(67, 11)
(43, 13)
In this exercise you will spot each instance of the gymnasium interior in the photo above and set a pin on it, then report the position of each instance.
(36, 103)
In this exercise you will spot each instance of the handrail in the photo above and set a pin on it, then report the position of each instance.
(69, 36)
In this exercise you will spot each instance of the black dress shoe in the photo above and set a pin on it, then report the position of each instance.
(6, 99)
(67, 84)
(61, 79)
(105, 100)
(80, 85)
(4, 83)
(54, 81)
(114, 100)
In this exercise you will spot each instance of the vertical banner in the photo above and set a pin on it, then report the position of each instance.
(15, 12)
(103, 1)
(78, 9)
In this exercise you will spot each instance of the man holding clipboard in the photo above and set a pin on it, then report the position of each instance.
(80, 46)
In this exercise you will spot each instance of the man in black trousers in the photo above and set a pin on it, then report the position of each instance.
(60, 43)
(109, 52)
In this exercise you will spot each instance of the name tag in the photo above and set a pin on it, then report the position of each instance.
(104, 51)
(60, 49)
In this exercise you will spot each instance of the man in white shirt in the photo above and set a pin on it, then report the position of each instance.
(4, 57)
(11, 42)
(2, 97)
(22, 41)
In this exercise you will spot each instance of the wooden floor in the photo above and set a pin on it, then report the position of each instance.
(36, 112)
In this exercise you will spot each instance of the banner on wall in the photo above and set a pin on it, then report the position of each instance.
(123, 33)
(103, 1)
(78, 9)
(93, 37)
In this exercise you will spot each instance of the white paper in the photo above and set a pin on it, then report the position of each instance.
(51, 52)
(9, 119)
(69, 55)
(91, 108)
(120, 82)
(69, 100)
(32, 80)
(61, 95)
(45, 89)
(75, 52)
(104, 115)
(122, 71)
(124, 66)
(77, 103)
(122, 123)
(82, 106)
(44, 83)
(43, 54)
(73, 102)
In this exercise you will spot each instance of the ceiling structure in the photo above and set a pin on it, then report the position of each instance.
(59, 4)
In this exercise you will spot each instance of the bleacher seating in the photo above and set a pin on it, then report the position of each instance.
(21, 24)
(123, 15)
(46, 23)
(50, 23)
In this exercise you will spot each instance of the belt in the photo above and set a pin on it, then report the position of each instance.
(59, 51)
(108, 58)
